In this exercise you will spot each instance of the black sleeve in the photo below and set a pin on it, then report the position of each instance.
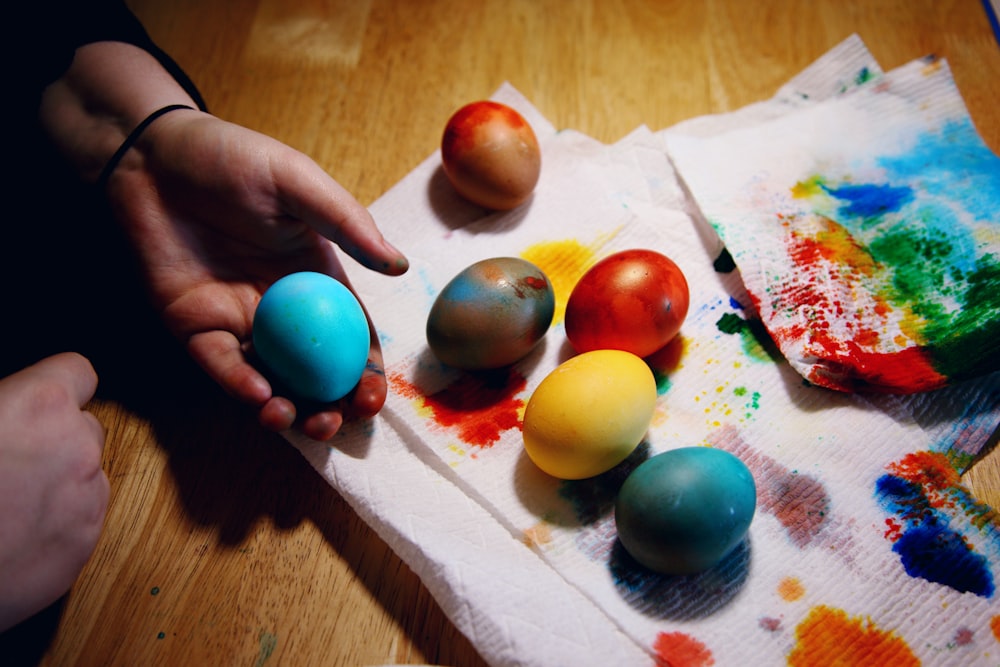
(48, 34)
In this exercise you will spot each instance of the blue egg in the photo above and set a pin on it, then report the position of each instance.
(312, 335)
(684, 510)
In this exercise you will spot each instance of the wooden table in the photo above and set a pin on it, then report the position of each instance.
(222, 546)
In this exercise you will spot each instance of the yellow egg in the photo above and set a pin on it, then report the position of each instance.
(589, 413)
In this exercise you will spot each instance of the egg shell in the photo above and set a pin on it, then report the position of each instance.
(491, 155)
(589, 414)
(633, 300)
(491, 314)
(684, 510)
(312, 335)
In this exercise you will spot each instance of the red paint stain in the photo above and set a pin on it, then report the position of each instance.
(799, 502)
(963, 636)
(852, 355)
(769, 624)
(893, 531)
(478, 406)
(942, 488)
(677, 649)
(829, 636)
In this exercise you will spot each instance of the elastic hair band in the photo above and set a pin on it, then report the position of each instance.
(102, 180)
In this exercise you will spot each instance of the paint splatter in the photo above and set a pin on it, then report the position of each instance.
(769, 623)
(480, 406)
(564, 263)
(678, 649)
(799, 502)
(963, 636)
(829, 636)
(922, 491)
(757, 342)
(268, 642)
(995, 627)
(908, 265)
(790, 589)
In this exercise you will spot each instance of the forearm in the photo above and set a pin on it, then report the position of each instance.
(107, 91)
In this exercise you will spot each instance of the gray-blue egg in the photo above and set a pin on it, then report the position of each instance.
(491, 314)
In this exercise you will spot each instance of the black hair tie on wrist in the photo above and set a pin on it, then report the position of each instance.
(102, 180)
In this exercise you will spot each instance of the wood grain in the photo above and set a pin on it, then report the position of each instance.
(222, 546)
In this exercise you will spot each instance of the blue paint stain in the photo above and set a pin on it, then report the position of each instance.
(871, 201)
(928, 547)
(953, 164)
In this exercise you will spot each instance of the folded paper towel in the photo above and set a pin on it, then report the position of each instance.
(865, 229)
(864, 539)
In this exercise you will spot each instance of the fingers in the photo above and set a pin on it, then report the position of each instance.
(221, 355)
(73, 371)
(311, 195)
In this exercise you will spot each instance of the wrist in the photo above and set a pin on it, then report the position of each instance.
(132, 138)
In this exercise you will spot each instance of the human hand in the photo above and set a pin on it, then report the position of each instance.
(53, 492)
(217, 213)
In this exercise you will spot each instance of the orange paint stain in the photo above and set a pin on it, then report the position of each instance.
(790, 589)
(829, 636)
(480, 407)
(995, 627)
(678, 649)
(564, 263)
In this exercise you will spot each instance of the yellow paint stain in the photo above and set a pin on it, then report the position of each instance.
(931, 67)
(790, 589)
(836, 244)
(538, 535)
(422, 409)
(828, 636)
(565, 262)
(808, 188)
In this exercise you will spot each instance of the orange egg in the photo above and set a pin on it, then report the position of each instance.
(491, 155)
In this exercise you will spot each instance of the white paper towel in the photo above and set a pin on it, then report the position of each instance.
(864, 541)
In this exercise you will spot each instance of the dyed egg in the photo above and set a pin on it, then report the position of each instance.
(589, 414)
(490, 154)
(633, 300)
(491, 314)
(312, 335)
(683, 511)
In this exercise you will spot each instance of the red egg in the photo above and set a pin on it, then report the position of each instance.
(633, 300)
(491, 155)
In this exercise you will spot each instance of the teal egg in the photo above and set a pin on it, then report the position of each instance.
(312, 335)
(491, 314)
(683, 511)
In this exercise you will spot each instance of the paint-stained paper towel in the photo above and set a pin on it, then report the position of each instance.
(865, 545)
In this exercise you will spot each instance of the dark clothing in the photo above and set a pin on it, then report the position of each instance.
(68, 278)
(49, 34)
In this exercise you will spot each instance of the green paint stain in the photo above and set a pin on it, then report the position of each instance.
(155, 590)
(740, 391)
(864, 76)
(928, 278)
(757, 343)
(663, 383)
(161, 635)
(268, 642)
